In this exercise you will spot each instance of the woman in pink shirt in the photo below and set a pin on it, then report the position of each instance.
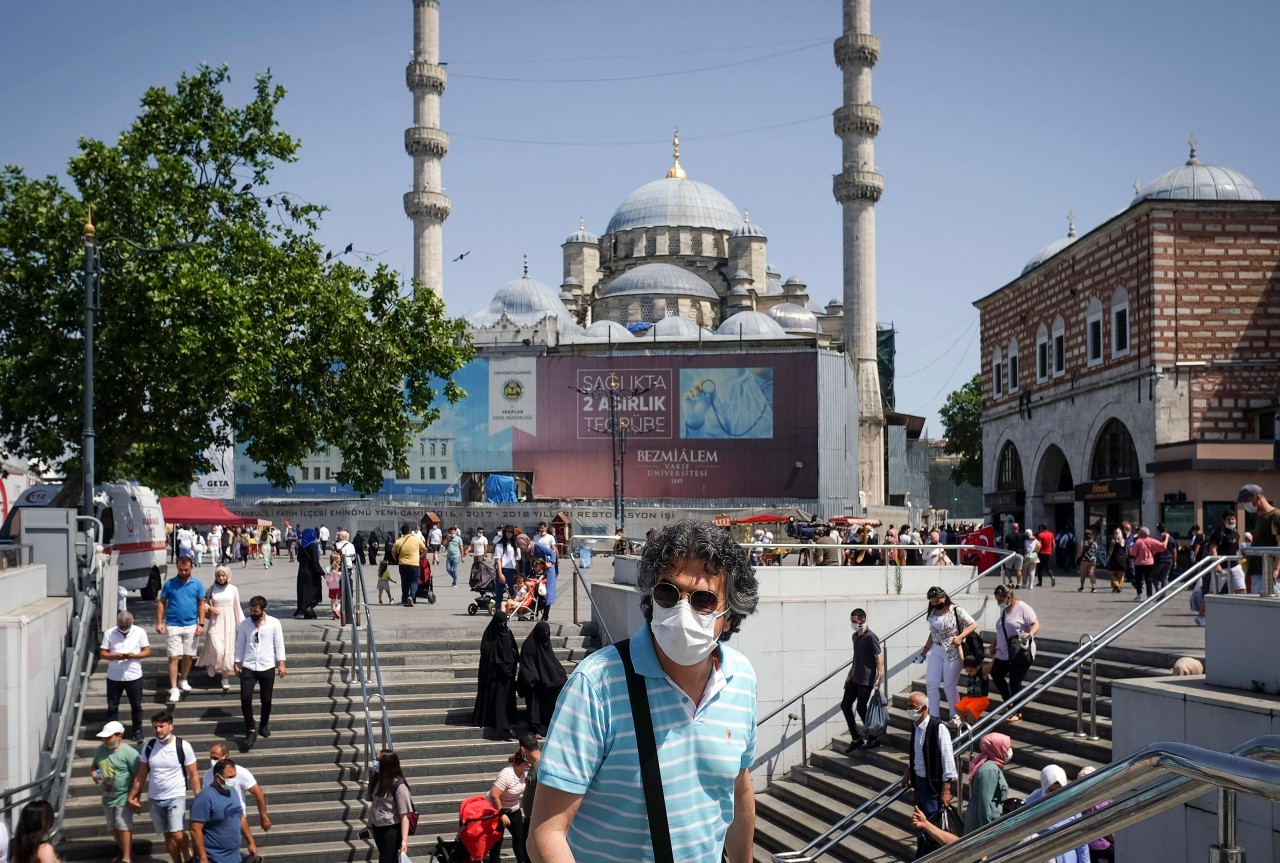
(1144, 551)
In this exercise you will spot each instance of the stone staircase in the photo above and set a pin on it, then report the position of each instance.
(311, 767)
(797, 808)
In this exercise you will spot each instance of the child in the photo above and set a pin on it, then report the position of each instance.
(334, 579)
(520, 592)
(977, 690)
(384, 583)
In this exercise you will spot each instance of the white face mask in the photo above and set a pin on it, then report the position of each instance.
(1250, 507)
(685, 636)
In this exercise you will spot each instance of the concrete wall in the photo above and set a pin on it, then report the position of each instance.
(1200, 711)
(800, 632)
(33, 629)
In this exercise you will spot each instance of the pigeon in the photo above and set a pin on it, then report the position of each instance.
(463, 255)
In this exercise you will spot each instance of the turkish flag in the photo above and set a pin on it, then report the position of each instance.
(983, 536)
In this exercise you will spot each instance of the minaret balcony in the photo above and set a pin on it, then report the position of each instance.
(425, 141)
(857, 119)
(429, 205)
(857, 49)
(425, 76)
(857, 186)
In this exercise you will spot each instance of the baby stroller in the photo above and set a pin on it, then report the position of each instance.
(426, 586)
(478, 831)
(531, 605)
(483, 576)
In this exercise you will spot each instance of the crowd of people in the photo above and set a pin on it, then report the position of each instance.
(915, 544)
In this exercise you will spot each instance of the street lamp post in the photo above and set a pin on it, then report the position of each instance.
(90, 306)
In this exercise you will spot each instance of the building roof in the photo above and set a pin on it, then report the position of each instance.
(1047, 252)
(660, 280)
(748, 324)
(605, 329)
(1194, 181)
(675, 327)
(582, 235)
(524, 301)
(747, 229)
(675, 202)
(793, 317)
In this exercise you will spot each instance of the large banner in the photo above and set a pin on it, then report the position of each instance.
(220, 483)
(713, 426)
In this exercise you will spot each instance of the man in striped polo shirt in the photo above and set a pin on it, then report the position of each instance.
(696, 587)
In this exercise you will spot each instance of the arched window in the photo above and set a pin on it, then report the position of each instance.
(997, 375)
(444, 448)
(1114, 455)
(1009, 469)
(1093, 332)
(1059, 348)
(1042, 354)
(1013, 365)
(1120, 323)
(433, 448)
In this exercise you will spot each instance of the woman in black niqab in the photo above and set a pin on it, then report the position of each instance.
(309, 575)
(495, 692)
(541, 677)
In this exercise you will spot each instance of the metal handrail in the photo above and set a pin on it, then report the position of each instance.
(351, 602)
(897, 629)
(1182, 773)
(847, 825)
(373, 649)
(54, 784)
(586, 588)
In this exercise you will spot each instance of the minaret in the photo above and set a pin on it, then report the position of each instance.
(427, 204)
(857, 188)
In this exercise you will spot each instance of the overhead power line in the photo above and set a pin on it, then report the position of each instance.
(523, 61)
(642, 143)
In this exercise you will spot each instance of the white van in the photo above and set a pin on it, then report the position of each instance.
(133, 526)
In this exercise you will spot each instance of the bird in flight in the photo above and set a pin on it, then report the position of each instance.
(463, 255)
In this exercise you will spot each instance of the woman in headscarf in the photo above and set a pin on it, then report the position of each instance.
(989, 788)
(310, 574)
(225, 617)
(547, 554)
(1052, 778)
(1104, 847)
(495, 693)
(541, 677)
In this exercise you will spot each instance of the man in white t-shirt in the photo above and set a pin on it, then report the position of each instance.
(245, 784)
(168, 767)
(479, 543)
(124, 646)
(186, 541)
(323, 536)
(543, 537)
(435, 537)
(345, 548)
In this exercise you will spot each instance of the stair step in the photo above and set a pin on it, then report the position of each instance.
(781, 826)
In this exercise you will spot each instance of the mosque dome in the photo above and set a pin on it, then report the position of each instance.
(793, 317)
(675, 327)
(608, 329)
(1053, 248)
(1194, 181)
(747, 229)
(582, 235)
(749, 324)
(675, 202)
(740, 275)
(660, 280)
(739, 291)
(524, 301)
(572, 280)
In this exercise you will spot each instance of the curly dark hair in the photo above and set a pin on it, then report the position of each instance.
(689, 540)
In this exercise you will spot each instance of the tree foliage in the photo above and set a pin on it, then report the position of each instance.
(241, 324)
(962, 425)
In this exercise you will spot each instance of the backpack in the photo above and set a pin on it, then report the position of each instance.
(973, 644)
(182, 756)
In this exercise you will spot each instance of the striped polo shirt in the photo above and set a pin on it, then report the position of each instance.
(591, 750)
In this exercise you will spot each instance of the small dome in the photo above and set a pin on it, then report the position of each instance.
(567, 297)
(524, 301)
(794, 280)
(1053, 248)
(739, 291)
(674, 202)
(749, 324)
(660, 280)
(1194, 181)
(606, 329)
(794, 318)
(572, 280)
(773, 287)
(740, 276)
(747, 229)
(770, 271)
(582, 235)
(676, 327)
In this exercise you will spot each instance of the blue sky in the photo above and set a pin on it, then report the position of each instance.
(999, 118)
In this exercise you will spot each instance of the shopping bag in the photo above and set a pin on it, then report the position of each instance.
(404, 858)
(877, 715)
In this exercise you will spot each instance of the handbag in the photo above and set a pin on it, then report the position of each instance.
(413, 810)
(647, 748)
(948, 819)
(973, 643)
(877, 714)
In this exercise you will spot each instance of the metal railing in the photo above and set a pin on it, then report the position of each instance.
(53, 782)
(355, 601)
(850, 823)
(582, 540)
(1181, 773)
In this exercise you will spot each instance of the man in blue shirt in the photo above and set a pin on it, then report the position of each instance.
(696, 587)
(215, 817)
(180, 614)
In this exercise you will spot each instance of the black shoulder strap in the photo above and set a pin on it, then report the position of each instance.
(182, 756)
(650, 771)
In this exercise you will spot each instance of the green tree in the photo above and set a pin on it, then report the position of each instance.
(962, 425)
(241, 324)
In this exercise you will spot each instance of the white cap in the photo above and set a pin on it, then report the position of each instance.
(110, 728)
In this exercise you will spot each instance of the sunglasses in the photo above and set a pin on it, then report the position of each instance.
(667, 595)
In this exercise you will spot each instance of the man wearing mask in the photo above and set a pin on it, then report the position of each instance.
(124, 646)
(1014, 646)
(259, 658)
(932, 768)
(245, 783)
(863, 679)
(1229, 577)
(115, 763)
(696, 588)
(1266, 533)
(216, 814)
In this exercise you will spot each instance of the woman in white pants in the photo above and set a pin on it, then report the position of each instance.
(949, 625)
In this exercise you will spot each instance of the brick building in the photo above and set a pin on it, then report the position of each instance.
(1133, 372)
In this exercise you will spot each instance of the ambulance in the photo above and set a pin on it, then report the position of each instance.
(132, 524)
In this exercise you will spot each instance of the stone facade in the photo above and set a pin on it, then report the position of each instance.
(1165, 319)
